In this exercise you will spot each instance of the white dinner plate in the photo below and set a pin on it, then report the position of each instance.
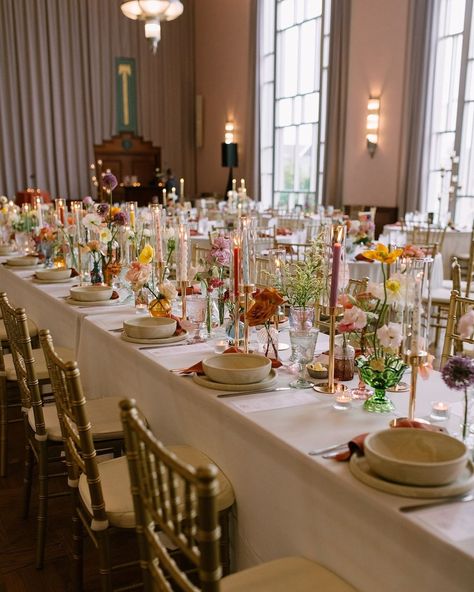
(360, 469)
(21, 267)
(162, 341)
(220, 386)
(37, 280)
(86, 303)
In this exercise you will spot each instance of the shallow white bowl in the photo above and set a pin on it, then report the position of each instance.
(237, 368)
(6, 249)
(91, 293)
(23, 261)
(150, 327)
(57, 273)
(415, 456)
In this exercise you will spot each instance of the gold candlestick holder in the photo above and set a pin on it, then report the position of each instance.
(331, 387)
(248, 289)
(415, 361)
(184, 286)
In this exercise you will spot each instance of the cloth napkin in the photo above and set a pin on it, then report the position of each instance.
(362, 257)
(356, 445)
(284, 231)
(197, 368)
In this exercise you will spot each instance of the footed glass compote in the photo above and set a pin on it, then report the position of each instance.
(380, 373)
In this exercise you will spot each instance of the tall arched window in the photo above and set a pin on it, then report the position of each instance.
(294, 53)
(450, 154)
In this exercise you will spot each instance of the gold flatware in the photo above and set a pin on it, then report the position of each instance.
(321, 451)
(450, 500)
(256, 392)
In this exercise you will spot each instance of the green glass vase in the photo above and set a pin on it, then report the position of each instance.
(380, 374)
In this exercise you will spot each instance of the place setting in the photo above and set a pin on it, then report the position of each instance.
(54, 275)
(92, 296)
(154, 332)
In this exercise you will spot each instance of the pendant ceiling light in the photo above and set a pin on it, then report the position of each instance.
(152, 12)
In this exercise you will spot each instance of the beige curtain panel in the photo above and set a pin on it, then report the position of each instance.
(58, 90)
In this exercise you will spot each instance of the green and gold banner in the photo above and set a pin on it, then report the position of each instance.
(126, 96)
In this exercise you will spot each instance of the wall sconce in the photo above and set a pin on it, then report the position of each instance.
(373, 119)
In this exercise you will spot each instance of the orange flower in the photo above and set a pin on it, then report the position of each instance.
(382, 254)
(265, 305)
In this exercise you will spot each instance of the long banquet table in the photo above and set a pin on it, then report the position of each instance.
(287, 501)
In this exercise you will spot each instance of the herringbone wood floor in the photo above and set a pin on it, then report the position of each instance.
(17, 537)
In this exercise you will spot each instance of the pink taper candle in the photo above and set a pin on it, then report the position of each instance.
(336, 263)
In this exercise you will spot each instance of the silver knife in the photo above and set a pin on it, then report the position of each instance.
(161, 346)
(450, 500)
(268, 390)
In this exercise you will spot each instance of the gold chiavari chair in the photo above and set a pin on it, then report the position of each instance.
(199, 253)
(440, 299)
(426, 235)
(10, 395)
(32, 329)
(464, 258)
(262, 272)
(182, 501)
(102, 499)
(453, 342)
(294, 251)
(42, 429)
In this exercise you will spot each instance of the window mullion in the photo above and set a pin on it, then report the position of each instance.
(461, 99)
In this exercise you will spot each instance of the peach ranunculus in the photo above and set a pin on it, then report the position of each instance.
(354, 319)
(466, 324)
(138, 274)
(264, 307)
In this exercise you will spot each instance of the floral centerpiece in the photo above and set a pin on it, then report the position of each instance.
(381, 367)
(212, 274)
(264, 307)
(140, 275)
(46, 242)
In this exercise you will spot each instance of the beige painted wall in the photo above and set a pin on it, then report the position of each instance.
(377, 60)
(222, 78)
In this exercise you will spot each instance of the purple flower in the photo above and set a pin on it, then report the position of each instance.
(458, 373)
(109, 181)
(103, 209)
(87, 201)
(120, 218)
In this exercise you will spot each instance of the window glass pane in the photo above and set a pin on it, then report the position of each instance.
(287, 62)
(464, 212)
(268, 24)
(454, 17)
(286, 14)
(297, 109)
(308, 57)
(300, 6)
(284, 112)
(313, 8)
(266, 115)
(305, 156)
(311, 106)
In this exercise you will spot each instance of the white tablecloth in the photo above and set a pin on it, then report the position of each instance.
(287, 501)
(455, 243)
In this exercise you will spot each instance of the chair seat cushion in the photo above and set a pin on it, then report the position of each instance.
(115, 482)
(32, 328)
(41, 368)
(103, 414)
(295, 574)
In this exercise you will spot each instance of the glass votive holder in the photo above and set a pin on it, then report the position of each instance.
(220, 346)
(342, 401)
(439, 411)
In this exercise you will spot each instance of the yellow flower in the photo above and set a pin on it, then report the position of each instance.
(393, 286)
(382, 254)
(147, 254)
(377, 364)
(114, 210)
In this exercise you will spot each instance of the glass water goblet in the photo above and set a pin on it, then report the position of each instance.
(196, 312)
(303, 344)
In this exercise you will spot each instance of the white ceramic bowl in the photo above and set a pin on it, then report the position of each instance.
(6, 249)
(23, 261)
(55, 273)
(91, 293)
(150, 327)
(237, 368)
(415, 456)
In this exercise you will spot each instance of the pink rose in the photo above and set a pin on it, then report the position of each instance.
(354, 318)
(466, 325)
